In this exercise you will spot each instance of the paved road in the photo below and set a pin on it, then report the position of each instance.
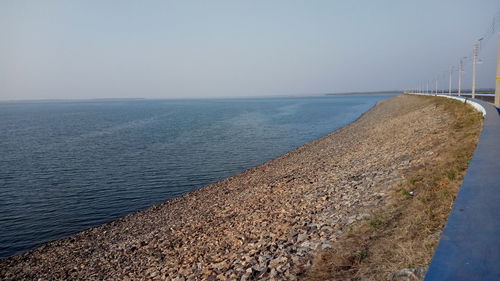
(470, 244)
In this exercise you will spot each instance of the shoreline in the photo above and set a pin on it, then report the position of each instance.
(264, 223)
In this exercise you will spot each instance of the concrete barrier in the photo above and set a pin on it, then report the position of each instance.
(474, 104)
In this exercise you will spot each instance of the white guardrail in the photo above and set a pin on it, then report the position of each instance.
(474, 104)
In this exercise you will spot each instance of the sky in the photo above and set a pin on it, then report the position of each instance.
(85, 49)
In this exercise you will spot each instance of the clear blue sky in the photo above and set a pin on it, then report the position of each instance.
(183, 49)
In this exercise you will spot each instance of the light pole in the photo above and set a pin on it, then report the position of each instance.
(449, 89)
(460, 69)
(497, 85)
(436, 93)
(474, 60)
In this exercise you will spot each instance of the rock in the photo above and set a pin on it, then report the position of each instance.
(408, 274)
(275, 262)
(221, 277)
(221, 265)
(301, 237)
(259, 267)
(435, 236)
(273, 273)
(325, 245)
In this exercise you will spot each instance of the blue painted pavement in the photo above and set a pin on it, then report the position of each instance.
(470, 244)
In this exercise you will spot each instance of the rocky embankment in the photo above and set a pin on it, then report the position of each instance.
(263, 224)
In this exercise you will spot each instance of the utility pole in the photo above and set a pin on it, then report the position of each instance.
(436, 93)
(460, 69)
(474, 61)
(449, 89)
(497, 85)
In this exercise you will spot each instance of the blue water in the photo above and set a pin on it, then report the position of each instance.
(69, 165)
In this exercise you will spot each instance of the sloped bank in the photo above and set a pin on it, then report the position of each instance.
(398, 240)
(270, 222)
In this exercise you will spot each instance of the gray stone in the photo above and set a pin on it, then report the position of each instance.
(301, 237)
(408, 274)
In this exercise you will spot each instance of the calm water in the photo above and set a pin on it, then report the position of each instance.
(67, 166)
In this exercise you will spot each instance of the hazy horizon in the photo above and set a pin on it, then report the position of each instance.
(235, 49)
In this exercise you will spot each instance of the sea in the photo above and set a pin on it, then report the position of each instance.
(66, 166)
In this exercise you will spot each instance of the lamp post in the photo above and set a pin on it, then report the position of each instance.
(497, 85)
(460, 70)
(475, 51)
(436, 93)
(449, 88)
